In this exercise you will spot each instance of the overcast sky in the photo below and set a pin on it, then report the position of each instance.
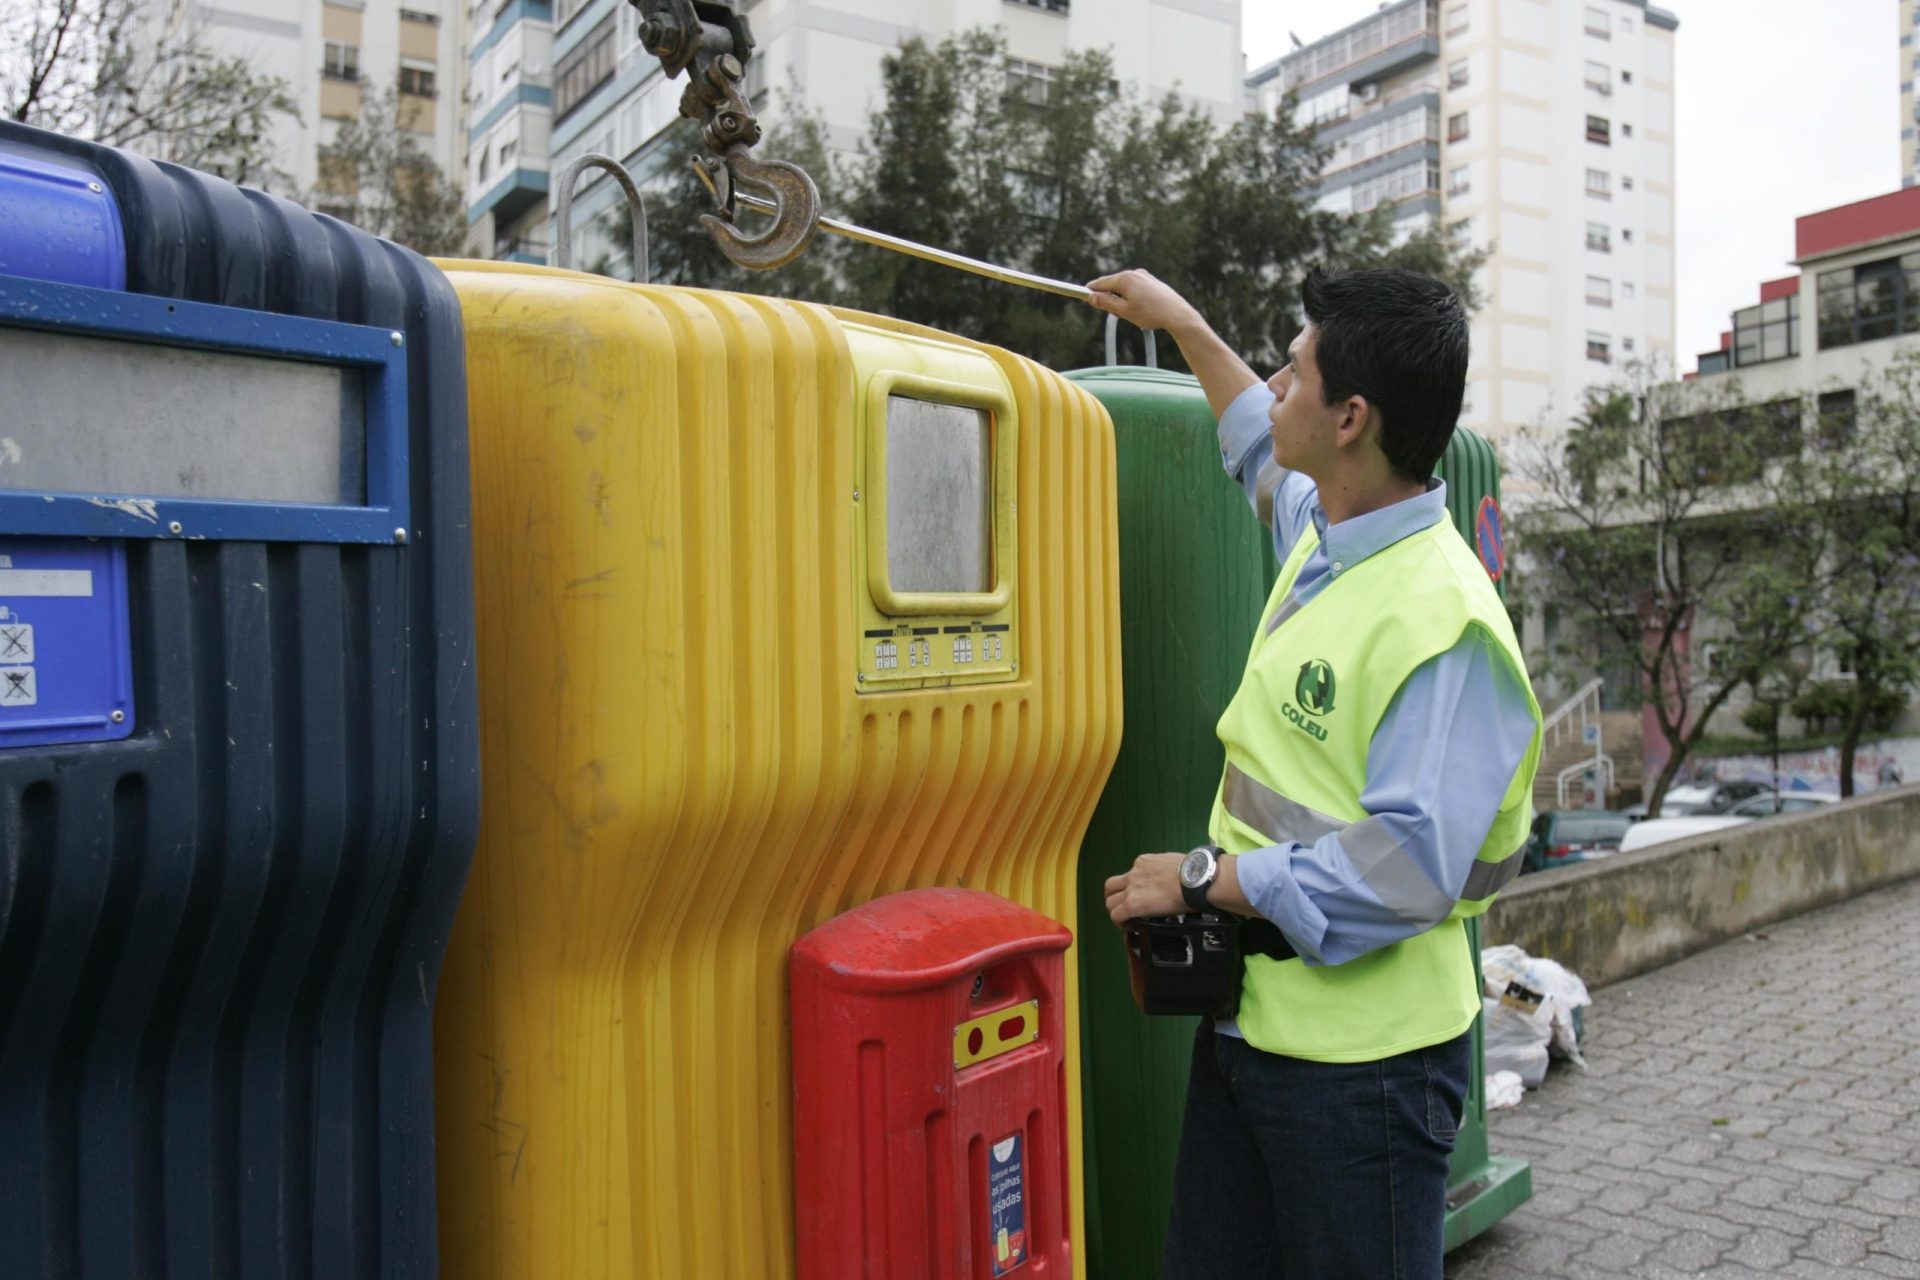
(1781, 109)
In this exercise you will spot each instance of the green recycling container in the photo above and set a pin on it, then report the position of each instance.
(1195, 570)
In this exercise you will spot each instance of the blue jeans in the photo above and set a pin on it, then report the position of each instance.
(1312, 1170)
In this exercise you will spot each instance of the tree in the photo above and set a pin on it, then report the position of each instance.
(1866, 471)
(1068, 176)
(376, 175)
(1666, 517)
(139, 75)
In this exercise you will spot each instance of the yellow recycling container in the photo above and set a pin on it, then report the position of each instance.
(780, 608)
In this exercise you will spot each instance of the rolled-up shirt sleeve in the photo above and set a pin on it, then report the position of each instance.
(1438, 766)
(1282, 499)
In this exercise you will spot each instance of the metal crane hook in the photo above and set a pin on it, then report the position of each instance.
(795, 200)
(563, 212)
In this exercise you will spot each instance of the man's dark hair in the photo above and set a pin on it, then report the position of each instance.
(1398, 338)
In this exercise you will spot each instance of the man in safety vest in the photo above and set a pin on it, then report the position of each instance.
(1380, 755)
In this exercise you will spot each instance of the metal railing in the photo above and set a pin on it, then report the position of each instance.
(1578, 714)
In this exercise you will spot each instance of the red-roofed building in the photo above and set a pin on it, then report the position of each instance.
(1858, 287)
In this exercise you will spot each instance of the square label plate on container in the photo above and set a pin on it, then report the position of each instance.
(66, 659)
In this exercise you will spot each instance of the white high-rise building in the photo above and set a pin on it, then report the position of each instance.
(1541, 131)
(609, 95)
(1909, 62)
(331, 52)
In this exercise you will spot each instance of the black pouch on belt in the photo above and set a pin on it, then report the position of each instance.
(1190, 964)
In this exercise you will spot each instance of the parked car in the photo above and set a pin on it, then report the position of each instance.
(1768, 803)
(1661, 830)
(1706, 797)
(1562, 837)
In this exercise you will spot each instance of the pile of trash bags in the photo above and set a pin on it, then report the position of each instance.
(1532, 1015)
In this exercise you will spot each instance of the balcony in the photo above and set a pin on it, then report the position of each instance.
(1409, 30)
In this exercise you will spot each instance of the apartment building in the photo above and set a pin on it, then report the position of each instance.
(1909, 64)
(608, 95)
(1541, 131)
(509, 102)
(332, 52)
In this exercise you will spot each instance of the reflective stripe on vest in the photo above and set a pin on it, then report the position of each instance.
(1395, 878)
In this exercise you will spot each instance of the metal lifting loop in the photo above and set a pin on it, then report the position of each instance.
(563, 212)
(1113, 343)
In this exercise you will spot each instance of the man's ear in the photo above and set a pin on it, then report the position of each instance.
(1358, 417)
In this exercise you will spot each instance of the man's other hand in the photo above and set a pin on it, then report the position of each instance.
(1152, 886)
(1137, 297)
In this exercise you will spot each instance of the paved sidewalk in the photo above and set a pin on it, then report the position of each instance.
(1752, 1111)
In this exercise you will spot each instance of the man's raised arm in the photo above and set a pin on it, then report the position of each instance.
(1137, 297)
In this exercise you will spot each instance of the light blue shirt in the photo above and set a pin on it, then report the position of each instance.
(1442, 757)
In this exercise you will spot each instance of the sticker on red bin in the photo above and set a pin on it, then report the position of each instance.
(1007, 1201)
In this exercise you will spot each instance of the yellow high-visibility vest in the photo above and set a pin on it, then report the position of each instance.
(1319, 679)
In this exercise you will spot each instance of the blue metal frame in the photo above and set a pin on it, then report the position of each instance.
(379, 353)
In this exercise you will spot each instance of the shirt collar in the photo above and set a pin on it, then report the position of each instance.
(1351, 541)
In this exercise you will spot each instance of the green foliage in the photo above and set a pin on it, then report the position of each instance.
(1661, 512)
(1761, 718)
(1094, 178)
(139, 74)
(376, 175)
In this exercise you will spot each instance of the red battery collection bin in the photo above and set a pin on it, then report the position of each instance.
(930, 1091)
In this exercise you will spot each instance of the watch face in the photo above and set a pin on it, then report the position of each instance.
(1193, 870)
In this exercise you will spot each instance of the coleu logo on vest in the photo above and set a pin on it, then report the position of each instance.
(1314, 690)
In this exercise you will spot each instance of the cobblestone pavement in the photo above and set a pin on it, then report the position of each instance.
(1750, 1111)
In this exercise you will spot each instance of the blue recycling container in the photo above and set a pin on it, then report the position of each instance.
(238, 761)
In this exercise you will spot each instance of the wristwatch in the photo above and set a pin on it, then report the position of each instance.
(1198, 870)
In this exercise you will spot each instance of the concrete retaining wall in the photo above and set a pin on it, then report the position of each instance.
(1636, 911)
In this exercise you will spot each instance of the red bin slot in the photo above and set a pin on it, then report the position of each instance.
(930, 1094)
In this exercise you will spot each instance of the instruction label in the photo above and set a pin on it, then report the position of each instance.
(1007, 1201)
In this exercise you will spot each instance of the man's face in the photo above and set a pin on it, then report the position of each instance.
(1301, 422)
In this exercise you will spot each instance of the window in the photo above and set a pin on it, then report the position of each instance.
(566, 11)
(1599, 184)
(1457, 74)
(1460, 235)
(1030, 81)
(1626, 289)
(1418, 178)
(1457, 127)
(585, 68)
(1626, 345)
(1598, 130)
(1598, 348)
(508, 150)
(1768, 331)
(1838, 417)
(1599, 78)
(1599, 239)
(1459, 181)
(1626, 77)
(1870, 301)
(1456, 19)
(342, 62)
(1626, 235)
(415, 15)
(1626, 182)
(1626, 131)
(1328, 104)
(1599, 291)
(1597, 23)
(486, 156)
(419, 81)
(1048, 6)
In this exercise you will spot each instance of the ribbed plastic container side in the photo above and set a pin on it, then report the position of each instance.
(682, 777)
(222, 937)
